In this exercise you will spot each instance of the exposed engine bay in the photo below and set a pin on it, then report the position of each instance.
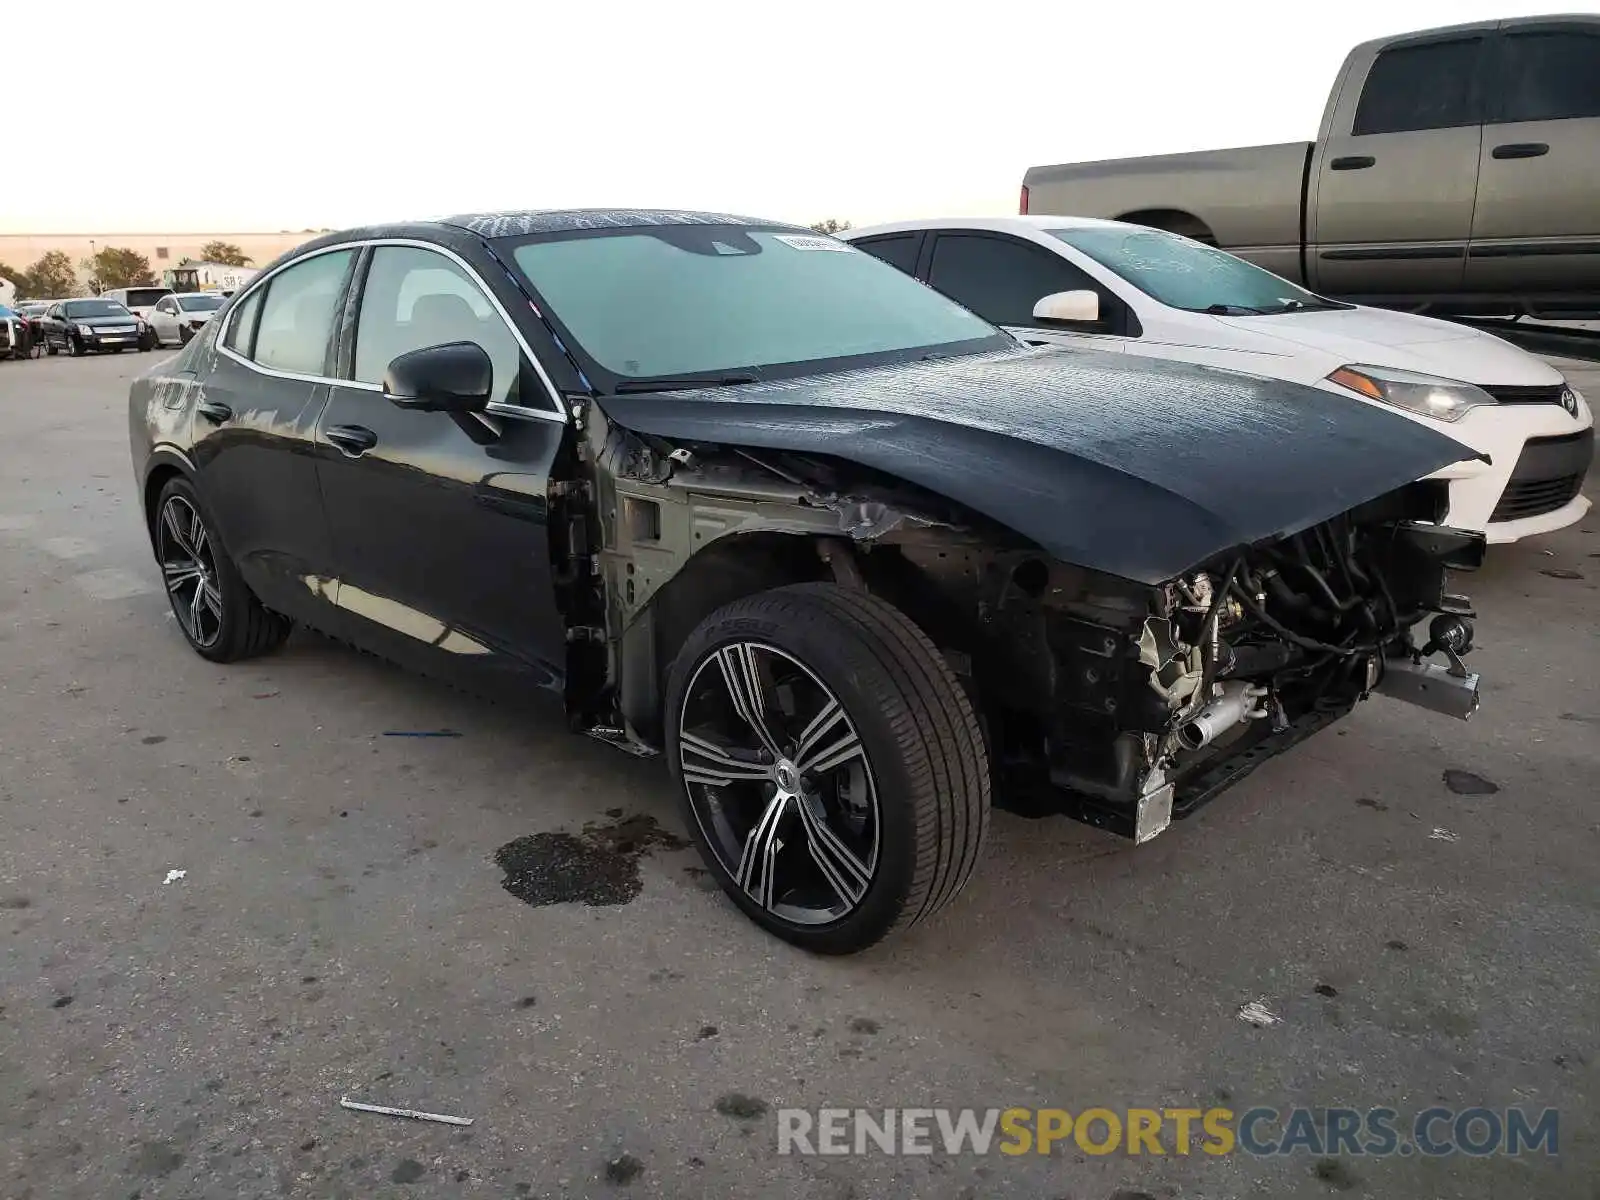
(1120, 703)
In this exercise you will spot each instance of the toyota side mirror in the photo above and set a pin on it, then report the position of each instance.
(1081, 307)
(456, 377)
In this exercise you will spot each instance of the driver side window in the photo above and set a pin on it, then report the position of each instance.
(1001, 279)
(416, 298)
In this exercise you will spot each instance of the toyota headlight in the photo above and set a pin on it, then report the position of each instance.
(1425, 395)
(85, 331)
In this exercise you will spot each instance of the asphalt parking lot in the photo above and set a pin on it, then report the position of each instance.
(1416, 900)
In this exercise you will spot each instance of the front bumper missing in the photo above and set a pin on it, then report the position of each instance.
(1447, 690)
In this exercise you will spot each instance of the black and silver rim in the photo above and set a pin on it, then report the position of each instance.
(189, 565)
(779, 783)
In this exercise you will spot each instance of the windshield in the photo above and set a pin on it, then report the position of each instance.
(144, 297)
(95, 308)
(1185, 274)
(200, 303)
(691, 300)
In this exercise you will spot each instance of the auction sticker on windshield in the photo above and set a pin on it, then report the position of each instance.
(802, 241)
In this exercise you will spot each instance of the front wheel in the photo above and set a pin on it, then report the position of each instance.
(832, 768)
(216, 610)
(184, 335)
(75, 347)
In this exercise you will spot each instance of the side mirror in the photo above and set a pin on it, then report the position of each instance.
(1081, 307)
(455, 377)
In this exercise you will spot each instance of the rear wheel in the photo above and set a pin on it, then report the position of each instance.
(216, 610)
(832, 768)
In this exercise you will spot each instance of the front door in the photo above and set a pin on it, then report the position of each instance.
(439, 520)
(1537, 225)
(1392, 209)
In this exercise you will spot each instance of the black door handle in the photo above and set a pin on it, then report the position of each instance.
(1521, 150)
(214, 411)
(1353, 162)
(353, 440)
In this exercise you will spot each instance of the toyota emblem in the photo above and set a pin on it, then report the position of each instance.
(1569, 401)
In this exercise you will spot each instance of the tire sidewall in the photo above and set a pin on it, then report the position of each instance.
(824, 647)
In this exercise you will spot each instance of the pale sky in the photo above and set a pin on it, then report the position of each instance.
(244, 115)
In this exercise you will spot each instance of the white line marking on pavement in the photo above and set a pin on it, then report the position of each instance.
(113, 583)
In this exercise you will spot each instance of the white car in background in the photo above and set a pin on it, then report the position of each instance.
(139, 301)
(1107, 285)
(179, 316)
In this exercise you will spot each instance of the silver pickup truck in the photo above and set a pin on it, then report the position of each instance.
(1456, 169)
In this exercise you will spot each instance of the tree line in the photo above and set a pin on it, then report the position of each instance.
(54, 275)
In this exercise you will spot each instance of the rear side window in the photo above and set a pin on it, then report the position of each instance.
(1430, 86)
(898, 250)
(1000, 279)
(298, 315)
(1549, 76)
(241, 337)
(415, 298)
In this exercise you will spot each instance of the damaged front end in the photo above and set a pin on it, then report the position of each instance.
(1126, 719)
(1120, 703)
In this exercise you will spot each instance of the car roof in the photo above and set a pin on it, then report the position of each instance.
(1012, 224)
(564, 220)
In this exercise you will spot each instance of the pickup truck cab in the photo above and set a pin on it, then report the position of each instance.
(1454, 169)
(1104, 285)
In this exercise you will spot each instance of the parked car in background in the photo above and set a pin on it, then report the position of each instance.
(81, 326)
(1454, 168)
(16, 339)
(831, 543)
(1112, 286)
(32, 312)
(139, 301)
(176, 318)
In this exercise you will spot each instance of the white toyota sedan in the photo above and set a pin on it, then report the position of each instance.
(178, 317)
(1111, 286)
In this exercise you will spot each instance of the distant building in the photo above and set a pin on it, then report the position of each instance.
(164, 250)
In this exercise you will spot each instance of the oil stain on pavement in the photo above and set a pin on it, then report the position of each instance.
(600, 866)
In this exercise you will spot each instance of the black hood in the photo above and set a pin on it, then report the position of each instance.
(97, 322)
(1142, 469)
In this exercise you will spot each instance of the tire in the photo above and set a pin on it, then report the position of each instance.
(50, 348)
(183, 336)
(118, 349)
(901, 817)
(75, 347)
(225, 622)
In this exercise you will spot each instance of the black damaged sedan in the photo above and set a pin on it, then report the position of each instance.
(851, 559)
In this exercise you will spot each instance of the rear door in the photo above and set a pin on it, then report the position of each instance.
(1537, 227)
(1001, 278)
(260, 398)
(1395, 180)
(439, 520)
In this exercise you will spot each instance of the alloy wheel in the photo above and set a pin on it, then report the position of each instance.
(189, 566)
(779, 781)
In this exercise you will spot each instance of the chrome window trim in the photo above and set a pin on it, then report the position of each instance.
(511, 410)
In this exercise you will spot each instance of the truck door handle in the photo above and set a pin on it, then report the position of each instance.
(1521, 150)
(352, 440)
(1353, 162)
(214, 411)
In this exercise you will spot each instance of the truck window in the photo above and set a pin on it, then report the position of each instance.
(1550, 76)
(999, 279)
(1427, 86)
